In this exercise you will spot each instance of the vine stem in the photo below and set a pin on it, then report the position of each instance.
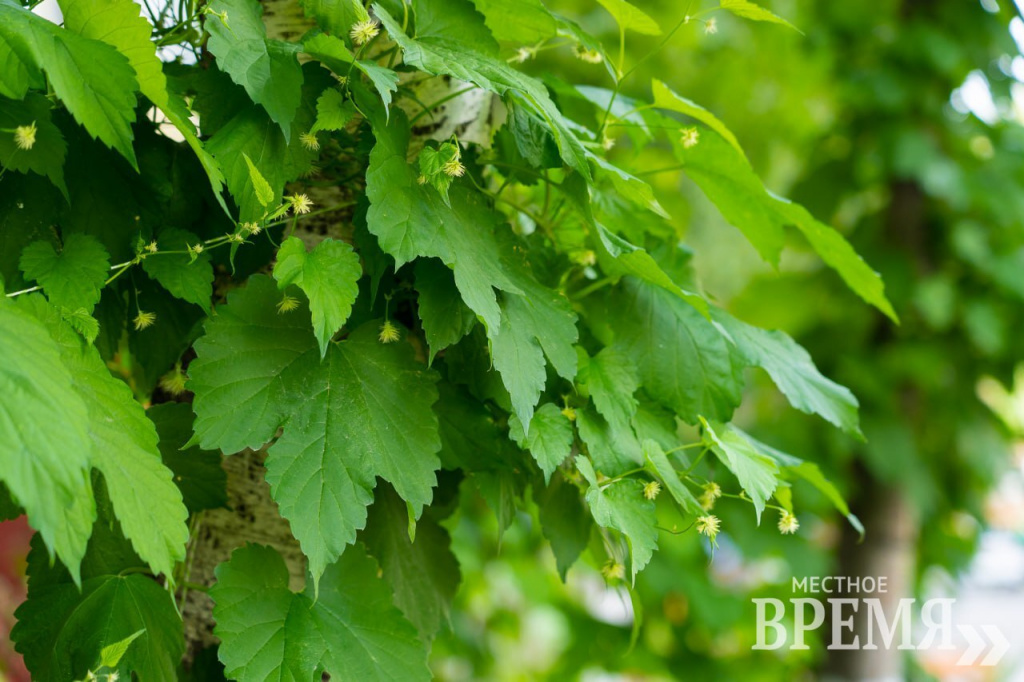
(609, 481)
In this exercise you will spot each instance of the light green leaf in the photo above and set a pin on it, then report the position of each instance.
(748, 10)
(519, 21)
(82, 322)
(757, 473)
(658, 460)
(424, 574)
(333, 111)
(124, 449)
(446, 319)
(611, 379)
(683, 360)
(72, 278)
(93, 80)
(628, 186)
(267, 69)
(331, 51)
(442, 55)
(665, 98)
(184, 277)
(621, 505)
(264, 193)
(793, 371)
(350, 629)
(335, 16)
(549, 440)
(44, 468)
(365, 411)
(631, 18)
(112, 654)
(328, 275)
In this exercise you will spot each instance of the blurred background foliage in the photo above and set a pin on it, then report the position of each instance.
(899, 123)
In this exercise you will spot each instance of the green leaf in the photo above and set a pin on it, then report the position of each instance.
(47, 154)
(659, 461)
(683, 360)
(335, 16)
(72, 278)
(440, 55)
(793, 371)
(185, 277)
(333, 111)
(519, 21)
(621, 505)
(628, 186)
(82, 322)
(838, 255)
(262, 189)
(611, 379)
(565, 522)
(93, 80)
(424, 574)
(412, 220)
(350, 629)
(44, 468)
(328, 275)
(365, 411)
(549, 440)
(124, 450)
(334, 55)
(197, 473)
(748, 10)
(613, 447)
(119, 613)
(757, 473)
(446, 319)
(119, 23)
(536, 324)
(666, 99)
(618, 257)
(631, 18)
(267, 69)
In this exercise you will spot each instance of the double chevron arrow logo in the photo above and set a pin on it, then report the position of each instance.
(977, 644)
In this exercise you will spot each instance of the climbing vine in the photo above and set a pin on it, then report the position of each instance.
(381, 253)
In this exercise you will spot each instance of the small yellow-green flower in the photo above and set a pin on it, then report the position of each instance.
(651, 490)
(710, 26)
(690, 138)
(144, 320)
(788, 523)
(613, 570)
(309, 141)
(709, 525)
(454, 168)
(300, 204)
(287, 304)
(587, 55)
(389, 332)
(364, 31)
(569, 412)
(174, 381)
(25, 136)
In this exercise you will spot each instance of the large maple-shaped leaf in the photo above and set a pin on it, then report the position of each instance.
(365, 411)
(350, 630)
(71, 278)
(327, 275)
(267, 69)
(683, 360)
